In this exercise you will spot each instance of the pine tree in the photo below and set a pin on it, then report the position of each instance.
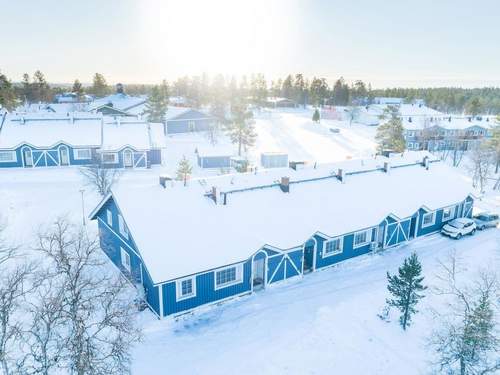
(78, 89)
(405, 289)
(316, 116)
(157, 104)
(40, 88)
(241, 129)
(99, 85)
(184, 170)
(474, 107)
(390, 136)
(7, 94)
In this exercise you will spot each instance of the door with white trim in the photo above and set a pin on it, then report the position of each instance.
(128, 160)
(27, 157)
(259, 273)
(63, 155)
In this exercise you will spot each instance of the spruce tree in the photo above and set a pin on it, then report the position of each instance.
(99, 85)
(78, 89)
(7, 93)
(390, 136)
(316, 116)
(405, 289)
(157, 104)
(241, 129)
(184, 170)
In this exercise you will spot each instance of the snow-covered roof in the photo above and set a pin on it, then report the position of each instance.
(52, 108)
(449, 122)
(190, 233)
(122, 102)
(45, 130)
(275, 99)
(122, 132)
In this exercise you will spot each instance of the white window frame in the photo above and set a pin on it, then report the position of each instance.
(424, 225)
(122, 227)
(410, 145)
(191, 125)
(178, 288)
(109, 217)
(368, 238)
(76, 152)
(13, 157)
(115, 158)
(238, 275)
(335, 252)
(125, 260)
(451, 215)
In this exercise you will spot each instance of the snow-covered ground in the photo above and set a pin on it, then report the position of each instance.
(325, 322)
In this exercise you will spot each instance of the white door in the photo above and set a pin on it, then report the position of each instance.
(63, 156)
(127, 158)
(28, 157)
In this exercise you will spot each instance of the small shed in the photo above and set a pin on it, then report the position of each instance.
(274, 159)
(186, 120)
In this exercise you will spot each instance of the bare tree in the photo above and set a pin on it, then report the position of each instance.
(467, 341)
(12, 291)
(99, 177)
(481, 165)
(98, 309)
(45, 335)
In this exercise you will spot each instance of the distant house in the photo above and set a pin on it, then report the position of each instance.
(119, 104)
(275, 102)
(131, 143)
(446, 132)
(185, 120)
(388, 100)
(374, 114)
(71, 97)
(214, 156)
(49, 140)
(228, 236)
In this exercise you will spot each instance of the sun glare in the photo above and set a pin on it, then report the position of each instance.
(233, 37)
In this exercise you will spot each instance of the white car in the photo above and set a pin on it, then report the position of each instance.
(459, 227)
(486, 220)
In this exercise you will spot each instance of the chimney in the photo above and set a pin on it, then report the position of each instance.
(285, 184)
(425, 162)
(341, 175)
(387, 166)
(163, 180)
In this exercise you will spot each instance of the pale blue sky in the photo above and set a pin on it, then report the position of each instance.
(417, 43)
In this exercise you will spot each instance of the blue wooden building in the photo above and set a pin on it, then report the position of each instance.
(46, 140)
(232, 235)
(131, 143)
(185, 120)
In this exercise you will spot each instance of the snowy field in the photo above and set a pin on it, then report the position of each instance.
(324, 323)
(291, 131)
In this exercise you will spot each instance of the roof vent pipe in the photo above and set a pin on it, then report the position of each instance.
(285, 184)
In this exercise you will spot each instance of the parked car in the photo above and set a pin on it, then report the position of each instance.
(486, 220)
(335, 130)
(459, 227)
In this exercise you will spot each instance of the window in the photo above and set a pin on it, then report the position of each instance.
(122, 227)
(185, 288)
(8, 156)
(333, 246)
(417, 145)
(228, 276)
(362, 238)
(448, 213)
(410, 144)
(109, 158)
(191, 126)
(125, 257)
(428, 219)
(82, 153)
(109, 217)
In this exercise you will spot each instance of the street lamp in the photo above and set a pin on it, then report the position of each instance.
(83, 206)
